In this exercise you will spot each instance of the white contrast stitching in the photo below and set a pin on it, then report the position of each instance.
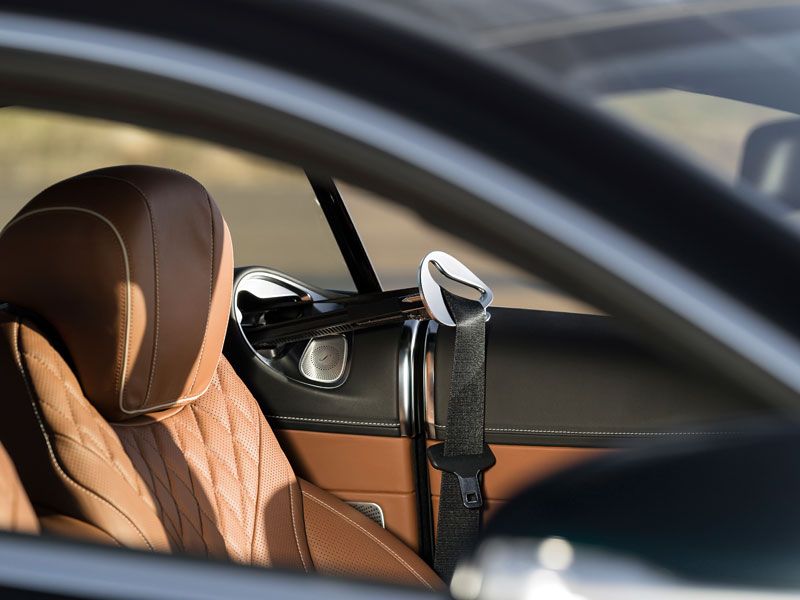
(258, 490)
(157, 315)
(154, 360)
(376, 540)
(291, 509)
(127, 278)
(608, 433)
(336, 421)
(210, 299)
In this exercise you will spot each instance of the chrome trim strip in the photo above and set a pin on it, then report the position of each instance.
(279, 284)
(405, 378)
(267, 283)
(429, 379)
(335, 421)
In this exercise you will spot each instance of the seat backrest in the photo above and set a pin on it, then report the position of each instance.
(121, 414)
(126, 423)
(16, 512)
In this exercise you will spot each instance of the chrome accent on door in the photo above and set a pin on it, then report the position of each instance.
(267, 284)
(371, 510)
(264, 283)
(406, 378)
(429, 379)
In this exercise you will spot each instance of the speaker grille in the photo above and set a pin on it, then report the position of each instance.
(371, 511)
(324, 359)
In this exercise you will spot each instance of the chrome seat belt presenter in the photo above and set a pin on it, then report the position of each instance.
(432, 293)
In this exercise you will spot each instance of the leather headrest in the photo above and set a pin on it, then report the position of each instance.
(771, 161)
(132, 267)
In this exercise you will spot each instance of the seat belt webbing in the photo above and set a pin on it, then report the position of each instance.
(463, 455)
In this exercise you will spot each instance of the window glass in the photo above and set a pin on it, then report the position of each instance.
(716, 81)
(396, 239)
(707, 129)
(270, 208)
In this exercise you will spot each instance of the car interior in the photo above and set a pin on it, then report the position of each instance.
(163, 396)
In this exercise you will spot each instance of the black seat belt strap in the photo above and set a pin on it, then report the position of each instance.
(463, 455)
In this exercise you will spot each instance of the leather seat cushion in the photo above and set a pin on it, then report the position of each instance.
(207, 478)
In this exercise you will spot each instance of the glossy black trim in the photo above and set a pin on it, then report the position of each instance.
(345, 234)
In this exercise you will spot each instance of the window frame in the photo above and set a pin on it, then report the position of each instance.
(344, 232)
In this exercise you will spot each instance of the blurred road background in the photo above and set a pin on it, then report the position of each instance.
(273, 215)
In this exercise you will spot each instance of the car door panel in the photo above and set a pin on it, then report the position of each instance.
(369, 400)
(517, 467)
(578, 380)
(360, 468)
(562, 389)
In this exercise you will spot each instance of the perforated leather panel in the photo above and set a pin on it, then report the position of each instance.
(207, 478)
(219, 478)
(69, 458)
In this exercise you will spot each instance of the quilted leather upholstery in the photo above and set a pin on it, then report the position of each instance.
(69, 458)
(200, 478)
(216, 473)
(191, 465)
(207, 478)
(16, 512)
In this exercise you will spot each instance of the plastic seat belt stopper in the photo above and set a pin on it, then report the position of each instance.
(468, 469)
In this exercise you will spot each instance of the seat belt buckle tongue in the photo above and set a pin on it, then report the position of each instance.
(468, 469)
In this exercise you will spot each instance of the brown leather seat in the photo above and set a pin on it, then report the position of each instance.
(16, 512)
(126, 423)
